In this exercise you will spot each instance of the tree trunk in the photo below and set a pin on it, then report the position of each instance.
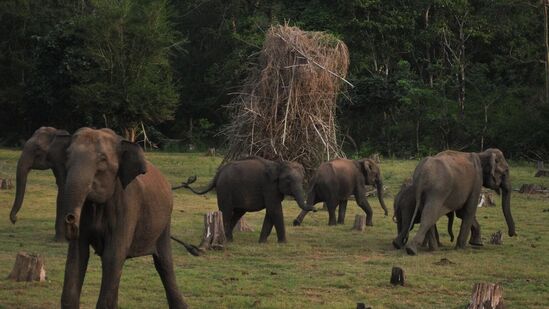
(486, 296)
(28, 267)
(242, 226)
(214, 232)
(360, 223)
(397, 276)
(6, 184)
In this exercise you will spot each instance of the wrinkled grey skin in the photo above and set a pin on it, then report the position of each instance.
(119, 204)
(253, 184)
(41, 152)
(403, 207)
(336, 180)
(452, 181)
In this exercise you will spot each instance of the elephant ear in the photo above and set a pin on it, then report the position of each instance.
(132, 162)
(493, 165)
(366, 167)
(57, 149)
(273, 171)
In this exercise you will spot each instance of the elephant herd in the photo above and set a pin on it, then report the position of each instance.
(112, 199)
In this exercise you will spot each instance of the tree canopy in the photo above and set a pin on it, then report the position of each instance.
(428, 75)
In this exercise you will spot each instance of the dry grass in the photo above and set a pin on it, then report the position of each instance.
(286, 108)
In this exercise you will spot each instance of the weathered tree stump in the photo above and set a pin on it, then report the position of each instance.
(214, 232)
(6, 184)
(360, 223)
(496, 238)
(541, 171)
(486, 296)
(486, 199)
(242, 226)
(211, 152)
(397, 276)
(362, 306)
(532, 189)
(28, 267)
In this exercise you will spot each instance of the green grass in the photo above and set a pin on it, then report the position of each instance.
(320, 266)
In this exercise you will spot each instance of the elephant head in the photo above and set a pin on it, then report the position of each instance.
(99, 164)
(289, 177)
(372, 177)
(44, 150)
(495, 175)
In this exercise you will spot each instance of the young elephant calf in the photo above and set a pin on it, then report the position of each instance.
(119, 204)
(336, 180)
(253, 184)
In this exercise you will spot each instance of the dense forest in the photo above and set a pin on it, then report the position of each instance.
(427, 75)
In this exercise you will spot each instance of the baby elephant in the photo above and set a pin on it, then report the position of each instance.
(336, 180)
(253, 184)
(404, 205)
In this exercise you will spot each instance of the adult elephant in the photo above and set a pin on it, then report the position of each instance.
(333, 183)
(403, 206)
(452, 181)
(253, 184)
(41, 152)
(119, 204)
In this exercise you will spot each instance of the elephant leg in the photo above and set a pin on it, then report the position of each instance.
(429, 216)
(468, 213)
(277, 217)
(437, 237)
(237, 214)
(112, 262)
(59, 220)
(266, 229)
(476, 239)
(164, 266)
(341, 212)
(300, 217)
(227, 218)
(432, 238)
(75, 270)
(362, 202)
(331, 205)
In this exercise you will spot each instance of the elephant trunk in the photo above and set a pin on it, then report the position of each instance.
(379, 188)
(24, 166)
(506, 204)
(297, 192)
(76, 190)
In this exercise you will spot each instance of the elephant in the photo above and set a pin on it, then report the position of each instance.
(41, 152)
(119, 204)
(404, 205)
(452, 181)
(252, 184)
(333, 183)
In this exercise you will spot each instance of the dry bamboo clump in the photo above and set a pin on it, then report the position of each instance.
(286, 108)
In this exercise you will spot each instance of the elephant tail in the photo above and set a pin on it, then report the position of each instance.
(194, 250)
(192, 179)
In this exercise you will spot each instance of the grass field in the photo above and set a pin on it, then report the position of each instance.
(320, 266)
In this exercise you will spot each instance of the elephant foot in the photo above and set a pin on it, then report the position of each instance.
(59, 238)
(396, 244)
(331, 223)
(369, 222)
(476, 241)
(282, 241)
(411, 249)
(297, 222)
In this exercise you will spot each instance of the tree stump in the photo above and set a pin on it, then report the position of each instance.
(486, 296)
(211, 152)
(362, 306)
(397, 276)
(360, 223)
(541, 171)
(6, 184)
(532, 189)
(242, 226)
(28, 267)
(496, 238)
(214, 232)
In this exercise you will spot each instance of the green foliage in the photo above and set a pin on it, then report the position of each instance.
(429, 75)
